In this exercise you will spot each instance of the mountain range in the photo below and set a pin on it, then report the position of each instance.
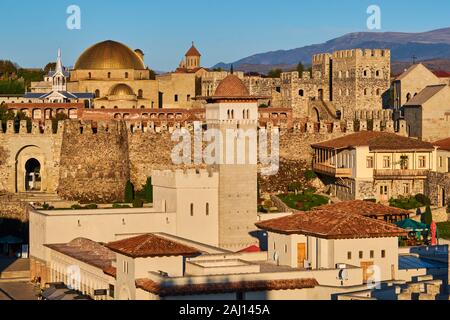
(431, 45)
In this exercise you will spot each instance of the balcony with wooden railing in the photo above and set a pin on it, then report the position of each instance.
(333, 171)
(401, 174)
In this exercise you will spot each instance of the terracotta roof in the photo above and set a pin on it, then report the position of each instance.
(376, 141)
(88, 251)
(193, 52)
(231, 86)
(229, 287)
(425, 95)
(332, 224)
(150, 245)
(111, 271)
(443, 144)
(364, 208)
(251, 249)
(441, 74)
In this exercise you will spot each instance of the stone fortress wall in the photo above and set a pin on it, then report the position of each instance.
(91, 161)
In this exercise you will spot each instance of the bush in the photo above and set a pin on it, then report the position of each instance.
(76, 207)
(138, 203)
(427, 217)
(148, 191)
(91, 206)
(406, 203)
(129, 192)
(294, 187)
(423, 199)
(310, 175)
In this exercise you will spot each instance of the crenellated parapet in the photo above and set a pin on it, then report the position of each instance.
(191, 178)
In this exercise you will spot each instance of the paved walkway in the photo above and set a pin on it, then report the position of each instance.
(17, 291)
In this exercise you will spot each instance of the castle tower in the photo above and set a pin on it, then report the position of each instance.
(234, 113)
(192, 58)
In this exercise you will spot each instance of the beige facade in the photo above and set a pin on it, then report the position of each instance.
(427, 115)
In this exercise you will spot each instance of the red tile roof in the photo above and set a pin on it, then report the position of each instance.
(251, 249)
(231, 86)
(229, 287)
(443, 144)
(88, 251)
(364, 208)
(193, 52)
(376, 141)
(441, 74)
(150, 245)
(332, 224)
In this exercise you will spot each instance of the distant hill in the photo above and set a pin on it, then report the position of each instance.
(430, 45)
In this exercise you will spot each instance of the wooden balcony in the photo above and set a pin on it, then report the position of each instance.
(400, 174)
(332, 171)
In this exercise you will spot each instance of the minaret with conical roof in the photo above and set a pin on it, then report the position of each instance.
(193, 58)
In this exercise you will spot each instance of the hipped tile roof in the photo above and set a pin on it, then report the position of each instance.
(364, 208)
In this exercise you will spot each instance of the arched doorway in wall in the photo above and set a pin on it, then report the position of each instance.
(315, 115)
(31, 173)
(33, 176)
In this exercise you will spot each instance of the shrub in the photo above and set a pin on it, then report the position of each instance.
(148, 191)
(129, 192)
(427, 217)
(294, 187)
(310, 175)
(76, 207)
(138, 203)
(423, 199)
(91, 206)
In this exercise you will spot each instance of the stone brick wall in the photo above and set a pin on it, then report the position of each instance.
(12, 208)
(94, 167)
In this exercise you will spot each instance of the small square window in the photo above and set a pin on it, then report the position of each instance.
(372, 254)
(349, 255)
(361, 255)
(383, 253)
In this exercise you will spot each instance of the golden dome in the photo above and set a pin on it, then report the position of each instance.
(109, 55)
(122, 90)
(231, 86)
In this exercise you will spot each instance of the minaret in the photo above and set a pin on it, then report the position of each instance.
(232, 110)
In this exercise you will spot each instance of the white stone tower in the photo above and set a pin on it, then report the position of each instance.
(233, 111)
(59, 80)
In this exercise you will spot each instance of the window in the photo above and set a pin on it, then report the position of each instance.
(109, 75)
(125, 267)
(111, 291)
(422, 162)
(441, 162)
(126, 75)
(301, 92)
(361, 255)
(207, 209)
(386, 162)
(192, 209)
(278, 89)
(140, 93)
(97, 93)
(406, 188)
(372, 254)
(188, 97)
(349, 255)
(176, 98)
(89, 75)
(369, 162)
(383, 253)
(347, 74)
(285, 248)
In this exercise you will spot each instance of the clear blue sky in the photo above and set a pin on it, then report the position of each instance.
(32, 30)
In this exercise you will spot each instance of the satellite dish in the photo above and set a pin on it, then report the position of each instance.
(343, 274)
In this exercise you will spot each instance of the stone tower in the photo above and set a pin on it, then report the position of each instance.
(235, 114)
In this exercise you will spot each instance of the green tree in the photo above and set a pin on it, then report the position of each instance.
(49, 67)
(148, 190)
(300, 68)
(275, 73)
(427, 216)
(129, 192)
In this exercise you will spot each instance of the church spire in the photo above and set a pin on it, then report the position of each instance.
(59, 66)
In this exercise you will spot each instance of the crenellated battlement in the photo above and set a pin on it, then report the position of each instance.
(190, 178)
(369, 53)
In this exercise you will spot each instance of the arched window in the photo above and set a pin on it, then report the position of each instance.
(347, 74)
(301, 92)
(97, 93)
(102, 107)
(340, 74)
(378, 92)
(378, 73)
(116, 107)
(232, 114)
(229, 114)
(140, 93)
(365, 92)
(192, 209)
(126, 75)
(142, 107)
(244, 114)
(90, 75)
(109, 75)
(207, 209)
(248, 114)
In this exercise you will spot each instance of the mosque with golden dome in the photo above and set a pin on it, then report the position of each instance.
(117, 75)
